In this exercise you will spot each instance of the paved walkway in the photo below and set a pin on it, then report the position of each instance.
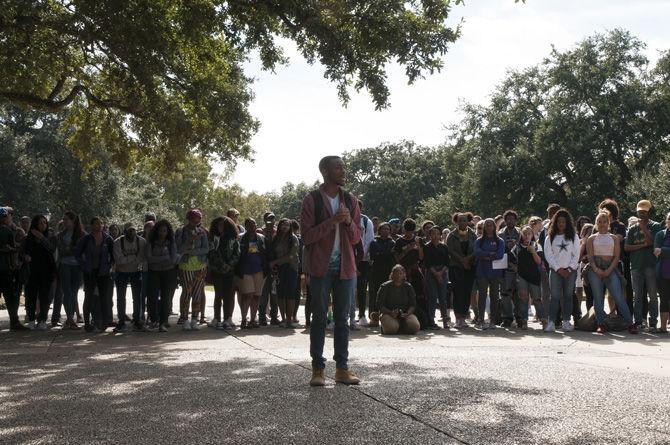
(455, 387)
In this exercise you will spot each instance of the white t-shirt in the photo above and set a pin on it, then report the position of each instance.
(335, 205)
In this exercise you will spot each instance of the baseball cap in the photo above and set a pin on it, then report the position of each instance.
(3, 212)
(268, 216)
(127, 226)
(644, 205)
(394, 221)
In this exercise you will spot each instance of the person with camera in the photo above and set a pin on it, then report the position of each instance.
(397, 301)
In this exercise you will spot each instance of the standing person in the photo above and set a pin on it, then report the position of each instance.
(69, 271)
(383, 260)
(395, 228)
(363, 267)
(39, 253)
(409, 253)
(8, 265)
(162, 257)
(129, 256)
(461, 245)
(95, 254)
(251, 269)
(640, 245)
(234, 214)
(527, 258)
(295, 228)
(544, 272)
(511, 306)
(224, 253)
(268, 297)
(284, 253)
(662, 253)
(603, 251)
(436, 262)
(330, 220)
(192, 246)
(619, 229)
(561, 251)
(488, 248)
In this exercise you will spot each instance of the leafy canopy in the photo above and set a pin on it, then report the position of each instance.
(160, 79)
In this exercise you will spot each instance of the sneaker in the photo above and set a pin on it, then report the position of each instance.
(550, 327)
(479, 325)
(56, 324)
(568, 327)
(150, 327)
(137, 327)
(181, 320)
(432, 327)
(632, 329)
(293, 325)
(41, 326)
(600, 329)
(492, 326)
(507, 323)
(523, 325)
(353, 326)
(18, 326)
(653, 330)
(363, 322)
(162, 328)
(79, 319)
(226, 325)
(317, 378)
(462, 324)
(274, 322)
(120, 328)
(230, 323)
(346, 377)
(194, 325)
(186, 326)
(214, 323)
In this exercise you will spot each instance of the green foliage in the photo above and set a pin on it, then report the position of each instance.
(41, 173)
(163, 79)
(579, 127)
(287, 202)
(393, 178)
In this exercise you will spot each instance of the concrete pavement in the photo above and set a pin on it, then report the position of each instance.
(453, 387)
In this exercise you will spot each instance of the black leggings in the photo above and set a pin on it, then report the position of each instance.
(224, 292)
(163, 283)
(8, 291)
(95, 303)
(38, 288)
(664, 294)
(461, 285)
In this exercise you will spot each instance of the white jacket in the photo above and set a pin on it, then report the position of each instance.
(562, 253)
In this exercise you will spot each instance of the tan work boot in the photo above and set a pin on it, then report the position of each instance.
(374, 320)
(346, 377)
(317, 378)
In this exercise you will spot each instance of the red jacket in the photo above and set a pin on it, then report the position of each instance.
(319, 239)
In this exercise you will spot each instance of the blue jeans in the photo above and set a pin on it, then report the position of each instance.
(642, 278)
(342, 290)
(70, 280)
(437, 295)
(561, 294)
(613, 284)
(122, 281)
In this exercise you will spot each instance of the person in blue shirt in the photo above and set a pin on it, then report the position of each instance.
(488, 248)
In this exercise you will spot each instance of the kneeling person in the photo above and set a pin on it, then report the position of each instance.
(397, 301)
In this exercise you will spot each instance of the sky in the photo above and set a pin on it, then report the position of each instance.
(303, 120)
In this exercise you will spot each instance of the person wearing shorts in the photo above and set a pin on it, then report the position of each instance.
(250, 272)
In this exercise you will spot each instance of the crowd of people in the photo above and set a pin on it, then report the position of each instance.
(355, 271)
(482, 266)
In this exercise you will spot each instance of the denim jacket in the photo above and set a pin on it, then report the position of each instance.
(84, 253)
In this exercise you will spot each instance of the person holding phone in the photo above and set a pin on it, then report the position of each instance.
(527, 257)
